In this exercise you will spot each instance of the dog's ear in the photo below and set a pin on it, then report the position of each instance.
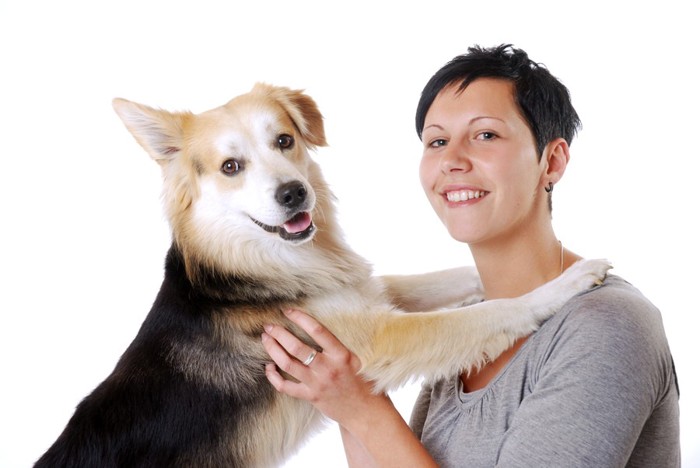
(159, 132)
(303, 111)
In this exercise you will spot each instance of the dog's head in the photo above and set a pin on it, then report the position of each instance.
(238, 180)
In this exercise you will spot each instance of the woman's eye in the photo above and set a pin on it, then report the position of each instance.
(437, 143)
(230, 167)
(285, 141)
(486, 136)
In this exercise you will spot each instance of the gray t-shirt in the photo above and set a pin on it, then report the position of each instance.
(595, 386)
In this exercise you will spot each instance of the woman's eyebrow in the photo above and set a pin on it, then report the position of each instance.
(472, 120)
(439, 127)
(482, 117)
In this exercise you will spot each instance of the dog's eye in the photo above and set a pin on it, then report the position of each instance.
(285, 141)
(230, 167)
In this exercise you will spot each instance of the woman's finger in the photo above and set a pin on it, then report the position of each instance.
(292, 345)
(290, 352)
(289, 387)
(320, 334)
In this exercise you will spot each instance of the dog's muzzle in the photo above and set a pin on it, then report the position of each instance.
(300, 227)
(293, 197)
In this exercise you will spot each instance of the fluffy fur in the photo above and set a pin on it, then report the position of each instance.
(254, 233)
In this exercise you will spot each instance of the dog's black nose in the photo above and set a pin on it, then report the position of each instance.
(291, 195)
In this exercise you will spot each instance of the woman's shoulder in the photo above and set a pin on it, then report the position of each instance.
(616, 306)
(609, 321)
(611, 334)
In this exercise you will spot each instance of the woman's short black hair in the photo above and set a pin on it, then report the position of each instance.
(543, 100)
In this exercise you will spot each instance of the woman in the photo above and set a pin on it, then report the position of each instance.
(595, 386)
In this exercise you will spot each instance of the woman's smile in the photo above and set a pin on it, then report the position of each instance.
(464, 195)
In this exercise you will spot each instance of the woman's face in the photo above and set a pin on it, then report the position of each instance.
(480, 166)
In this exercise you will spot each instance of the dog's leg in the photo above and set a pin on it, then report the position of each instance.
(435, 290)
(441, 344)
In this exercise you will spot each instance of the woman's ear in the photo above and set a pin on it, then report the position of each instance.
(555, 158)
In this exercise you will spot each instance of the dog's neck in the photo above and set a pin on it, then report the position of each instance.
(340, 268)
(202, 283)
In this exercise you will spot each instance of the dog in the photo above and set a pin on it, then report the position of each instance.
(254, 233)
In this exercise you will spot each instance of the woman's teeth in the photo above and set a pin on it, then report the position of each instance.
(464, 195)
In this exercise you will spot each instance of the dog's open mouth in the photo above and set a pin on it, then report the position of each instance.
(298, 227)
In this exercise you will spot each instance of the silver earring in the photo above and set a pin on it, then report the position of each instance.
(549, 188)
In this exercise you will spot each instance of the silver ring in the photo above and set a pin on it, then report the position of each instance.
(311, 358)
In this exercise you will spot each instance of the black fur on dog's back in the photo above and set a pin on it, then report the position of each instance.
(148, 412)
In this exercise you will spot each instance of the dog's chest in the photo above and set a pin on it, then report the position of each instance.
(362, 299)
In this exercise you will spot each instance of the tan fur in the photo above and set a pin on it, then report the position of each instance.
(210, 215)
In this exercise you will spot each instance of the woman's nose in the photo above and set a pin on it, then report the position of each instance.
(455, 159)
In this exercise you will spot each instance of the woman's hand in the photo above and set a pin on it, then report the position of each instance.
(330, 381)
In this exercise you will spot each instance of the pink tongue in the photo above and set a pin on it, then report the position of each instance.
(298, 223)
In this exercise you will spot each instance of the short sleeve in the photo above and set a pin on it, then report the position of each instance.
(603, 382)
(420, 410)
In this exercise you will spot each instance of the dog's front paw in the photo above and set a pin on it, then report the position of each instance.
(585, 274)
(580, 277)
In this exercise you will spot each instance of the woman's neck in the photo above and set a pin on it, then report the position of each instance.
(513, 268)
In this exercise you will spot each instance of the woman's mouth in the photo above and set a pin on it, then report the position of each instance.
(464, 195)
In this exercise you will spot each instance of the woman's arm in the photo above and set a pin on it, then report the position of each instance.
(355, 453)
(389, 442)
(369, 422)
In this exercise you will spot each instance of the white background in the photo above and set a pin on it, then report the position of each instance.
(83, 238)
